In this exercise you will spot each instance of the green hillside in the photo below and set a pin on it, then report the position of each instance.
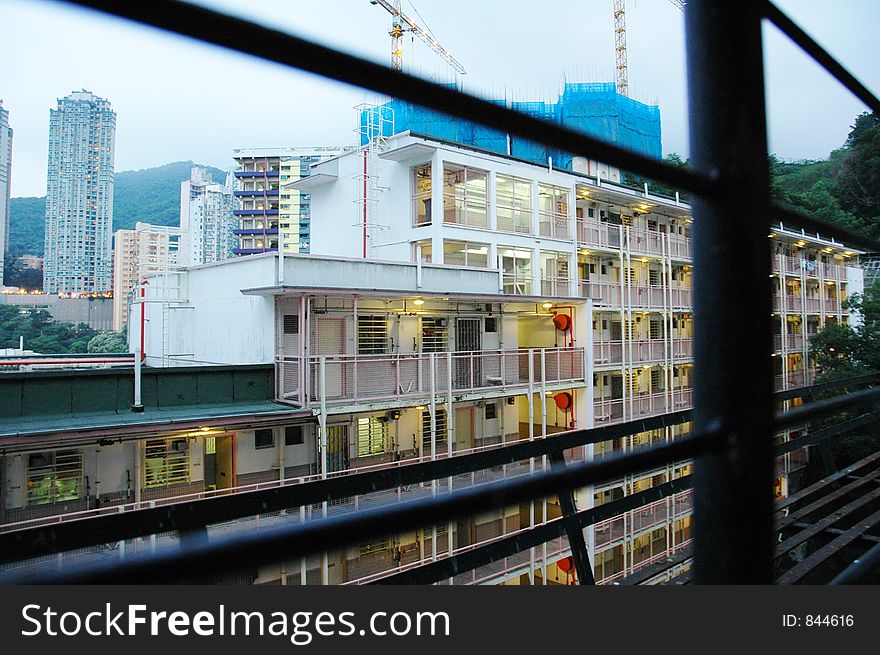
(151, 195)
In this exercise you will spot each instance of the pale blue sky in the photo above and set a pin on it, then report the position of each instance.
(179, 100)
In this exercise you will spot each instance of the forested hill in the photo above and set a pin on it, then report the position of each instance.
(151, 195)
(845, 188)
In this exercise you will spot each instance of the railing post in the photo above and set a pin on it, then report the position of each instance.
(733, 506)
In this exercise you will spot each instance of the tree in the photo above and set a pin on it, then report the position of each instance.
(858, 177)
(108, 342)
(658, 188)
(843, 350)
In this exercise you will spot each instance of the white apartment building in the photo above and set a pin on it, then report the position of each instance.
(206, 218)
(499, 300)
(79, 196)
(5, 180)
(147, 249)
(265, 211)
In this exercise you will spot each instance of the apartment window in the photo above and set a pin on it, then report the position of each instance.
(372, 436)
(654, 277)
(490, 325)
(54, 476)
(439, 431)
(425, 247)
(263, 439)
(466, 253)
(422, 195)
(293, 435)
(513, 198)
(553, 211)
(434, 334)
(656, 329)
(554, 273)
(465, 196)
(291, 324)
(166, 462)
(656, 379)
(516, 267)
(372, 334)
(491, 411)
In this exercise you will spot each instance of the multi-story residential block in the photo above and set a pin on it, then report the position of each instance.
(264, 210)
(498, 300)
(206, 218)
(31, 261)
(147, 249)
(79, 197)
(5, 179)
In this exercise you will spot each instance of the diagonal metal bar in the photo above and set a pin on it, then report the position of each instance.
(579, 552)
(271, 546)
(815, 559)
(788, 27)
(447, 567)
(33, 542)
(272, 45)
(859, 569)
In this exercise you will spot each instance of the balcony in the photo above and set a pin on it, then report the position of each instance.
(610, 353)
(256, 193)
(609, 294)
(352, 379)
(255, 231)
(608, 235)
(810, 269)
(792, 342)
(273, 174)
(607, 411)
(256, 212)
(794, 379)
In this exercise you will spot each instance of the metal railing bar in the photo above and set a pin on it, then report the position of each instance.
(272, 45)
(806, 510)
(820, 55)
(813, 438)
(821, 484)
(811, 391)
(580, 554)
(802, 568)
(507, 546)
(819, 408)
(272, 545)
(643, 575)
(46, 539)
(861, 568)
(796, 218)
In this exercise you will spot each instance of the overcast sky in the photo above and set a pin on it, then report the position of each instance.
(178, 100)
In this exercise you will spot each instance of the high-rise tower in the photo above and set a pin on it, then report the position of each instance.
(5, 173)
(79, 196)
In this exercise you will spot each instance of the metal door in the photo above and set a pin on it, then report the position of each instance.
(468, 342)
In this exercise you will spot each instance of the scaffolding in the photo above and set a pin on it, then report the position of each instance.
(375, 125)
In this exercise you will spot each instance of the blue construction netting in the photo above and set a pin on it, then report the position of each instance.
(593, 108)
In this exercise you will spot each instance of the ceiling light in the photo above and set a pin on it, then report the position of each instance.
(419, 302)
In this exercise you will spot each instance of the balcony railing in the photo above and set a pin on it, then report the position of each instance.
(609, 353)
(591, 233)
(810, 269)
(607, 411)
(359, 378)
(609, 294)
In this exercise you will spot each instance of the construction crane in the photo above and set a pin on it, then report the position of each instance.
(402, 23)
(620, 42)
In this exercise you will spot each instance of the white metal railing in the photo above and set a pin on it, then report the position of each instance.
(641, 296)
(356, 378)
(616, 410)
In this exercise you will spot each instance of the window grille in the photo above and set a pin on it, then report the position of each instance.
(372, 334)
(372, 436)
(291, 324)
(166, 462)
(54, 476)
(435, 333)
(440, 425)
